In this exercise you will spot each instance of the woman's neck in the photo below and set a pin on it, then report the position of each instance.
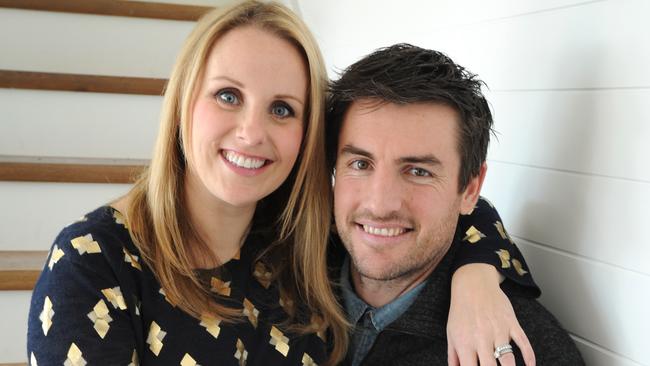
(222, 227)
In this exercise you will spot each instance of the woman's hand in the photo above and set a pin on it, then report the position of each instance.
(481, 318)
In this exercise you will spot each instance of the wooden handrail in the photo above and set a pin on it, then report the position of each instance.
(81, 83)
(69, 173)
(19, 270)
(123, 8)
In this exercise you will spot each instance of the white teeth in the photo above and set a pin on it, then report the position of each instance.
(242, 161)
(383, 231)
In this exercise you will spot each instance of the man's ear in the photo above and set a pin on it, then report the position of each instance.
(472, 192)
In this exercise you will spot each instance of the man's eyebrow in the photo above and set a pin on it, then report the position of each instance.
(353, 150)
(418, 159)
(421, 159)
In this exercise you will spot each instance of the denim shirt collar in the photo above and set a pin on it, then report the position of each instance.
(382, 316)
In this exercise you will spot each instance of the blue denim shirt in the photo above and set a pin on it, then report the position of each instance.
(368, 321)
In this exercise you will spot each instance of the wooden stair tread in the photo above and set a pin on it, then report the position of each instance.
(81, 82)
(140, 9)
(69, 172)
(22, 260)
(19, 269)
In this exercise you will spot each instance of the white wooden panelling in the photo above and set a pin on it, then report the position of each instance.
(14, 309)
(561, 48)
(597, 356)
(336, 18)
(89, 44)
(599, 218)
(33, 213)
(598, 45)
(69, 124)
(599, 302)
(602, 132)
(347, 30)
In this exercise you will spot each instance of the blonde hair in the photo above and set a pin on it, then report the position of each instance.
(156, 211)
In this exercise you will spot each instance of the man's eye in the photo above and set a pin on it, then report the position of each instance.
(228, 97)
(419, 172)
(360, 165)
(282, 111)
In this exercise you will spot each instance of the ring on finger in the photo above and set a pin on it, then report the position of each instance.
(502, 350)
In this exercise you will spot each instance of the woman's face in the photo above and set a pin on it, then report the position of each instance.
(248, 116)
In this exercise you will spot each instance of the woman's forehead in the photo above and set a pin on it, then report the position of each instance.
(258, 58)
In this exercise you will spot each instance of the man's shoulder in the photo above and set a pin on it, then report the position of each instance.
(551, 342)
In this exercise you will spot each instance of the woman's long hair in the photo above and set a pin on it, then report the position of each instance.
(298, 213)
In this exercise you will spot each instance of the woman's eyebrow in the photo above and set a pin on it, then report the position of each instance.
(289, 96)
(229, 79)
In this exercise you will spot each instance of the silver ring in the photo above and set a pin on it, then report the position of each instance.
(502, 350)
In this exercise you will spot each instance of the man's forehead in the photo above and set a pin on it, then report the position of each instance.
(416, 128)
(371, 104)
(399, 132)
(367, 105)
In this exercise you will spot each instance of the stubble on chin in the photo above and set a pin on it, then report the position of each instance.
(427, 252)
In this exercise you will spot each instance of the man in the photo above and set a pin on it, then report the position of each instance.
(409, 136)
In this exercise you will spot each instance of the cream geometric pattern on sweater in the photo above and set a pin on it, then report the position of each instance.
(86, 244)
(75, 357)
(100, 318)
(46, 315)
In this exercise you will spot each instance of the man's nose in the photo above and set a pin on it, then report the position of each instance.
(384, 193)
(251, 129)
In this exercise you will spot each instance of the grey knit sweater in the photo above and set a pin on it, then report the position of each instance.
(418, 337)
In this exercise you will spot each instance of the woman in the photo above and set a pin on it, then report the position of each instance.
(218, 253)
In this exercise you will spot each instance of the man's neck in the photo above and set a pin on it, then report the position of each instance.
(378, 293)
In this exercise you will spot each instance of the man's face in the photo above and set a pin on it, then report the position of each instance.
(396, 199)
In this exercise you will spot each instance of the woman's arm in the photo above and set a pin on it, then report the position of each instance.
(480, 315)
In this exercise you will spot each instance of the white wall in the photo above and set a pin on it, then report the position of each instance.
(570, 89)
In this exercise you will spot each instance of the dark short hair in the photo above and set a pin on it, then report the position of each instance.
(404, 74)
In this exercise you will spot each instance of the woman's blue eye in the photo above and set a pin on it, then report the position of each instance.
(281, 111)
(228, 97)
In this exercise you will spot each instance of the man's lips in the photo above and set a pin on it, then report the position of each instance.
(383, 230)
